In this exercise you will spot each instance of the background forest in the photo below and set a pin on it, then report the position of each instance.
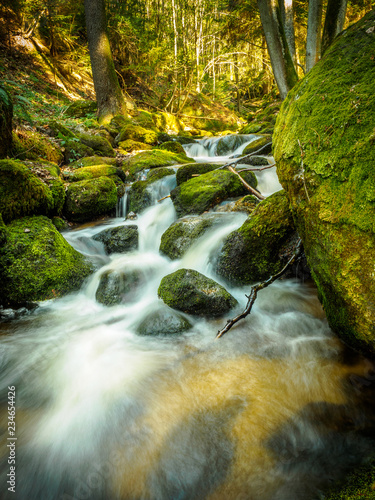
(167, 53)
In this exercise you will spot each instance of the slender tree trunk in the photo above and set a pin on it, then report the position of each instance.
(109, 97)
(281, 61)
(334, 22)
(314, 27)
(288, 21)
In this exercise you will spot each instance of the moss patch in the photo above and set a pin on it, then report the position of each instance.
(257, 144)
(173, 146)
(98, 143)
(79, 109)
(137, 133)
(90, 161)
(358, 484)
(152, 159)
(85, 173)
(188, 171)
(37, 263)
(129, 145)
(29, 145)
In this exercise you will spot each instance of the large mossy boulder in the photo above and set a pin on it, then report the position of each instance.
(92, 161)
(87, 200)
(98, 143)
(119, 239)
(186, 172)
(140, 193)
(37, 263)
(199, 194)
(86, 173)
(30, 145)
(6, 115)
(164, 322)
(329, 115)
(173, 146)
(193, 293)
(152, 159)
(253, 252)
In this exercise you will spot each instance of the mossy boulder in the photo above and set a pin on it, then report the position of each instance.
(253, 252)
(137, 133)
(184, 139)
(37, 263)
(152, 159)
(140, 196)
(186, 172)
(246, 204)
(119, 287)
(228, 143)
(49, 174)
(29, 145)
(6, 116)
(163, 322)
(193, 293)
(264, 142)
(119, 239)
(255, 161)
(22, 192)
(80, 109)
(57, 129)
(87, 200)
(99, 144)
(173, 146)
(60, 224)
(130, 145)
(91, 161)
(85, 173)
(75, 150)
(329, 114)
(168, 123)
(204, 192)
(251, 128)
(181, 235)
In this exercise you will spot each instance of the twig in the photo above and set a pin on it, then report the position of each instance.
(247, 186)
(256, 169)
(254, 292)
(165, 197)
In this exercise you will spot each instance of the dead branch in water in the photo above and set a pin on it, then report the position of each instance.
(256, 169)
(165, 197)
(247, 186)
(254, 292)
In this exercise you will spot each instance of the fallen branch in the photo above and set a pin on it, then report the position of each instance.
(247, 186)
(256, 169)
(254, 292)
(165, 197)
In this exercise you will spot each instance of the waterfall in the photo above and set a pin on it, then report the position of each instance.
(105, 413)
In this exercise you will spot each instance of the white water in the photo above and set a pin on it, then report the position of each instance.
(104, 413)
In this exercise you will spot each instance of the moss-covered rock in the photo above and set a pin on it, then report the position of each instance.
(262, 142)
(21, 192)
(163, 322)
(137, 133)
(48, 173)
(57, 129)
(119, 287)
(204, 192)
(86, 173)
(87, 200)
(60, 224)
(29, 145)
(99, 144)
(37, 263)
(79, 109)
(119, 239)
(173, 146)
(329, 113)
(168, 123)
(181, 235)
(91, 161)
(75, 150)
(191, 292)
(152, 159)
(119, 121)
(251, 128)
(252, 252)
(186, 172)
(129, 145)
(184, 139)
(255, 161)
(6, 116)
(140, 196)
(228, 143)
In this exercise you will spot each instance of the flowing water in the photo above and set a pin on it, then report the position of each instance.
(275, 410)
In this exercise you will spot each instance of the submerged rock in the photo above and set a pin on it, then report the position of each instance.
(258, 144)
(37, 263)
(119, 287)
(164, 322)
(252, 252)
(229, 143)
(119, 239)
(140, 195)
(330, 115)
(191, 292)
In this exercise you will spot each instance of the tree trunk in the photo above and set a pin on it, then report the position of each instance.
(334, 22)
(288, 21)
(109, 97)
(314, 26)
(281, 61)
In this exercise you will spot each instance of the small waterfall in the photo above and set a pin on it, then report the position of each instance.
(212, 148)
(121, 207)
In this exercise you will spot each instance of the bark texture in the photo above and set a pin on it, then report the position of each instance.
(313, 40)
(334, 22)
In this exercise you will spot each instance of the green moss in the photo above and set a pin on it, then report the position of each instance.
(252, 253)
(152, 159)
(257, 144)
(87, 200)
(129, 145)
(37, 263)
(21, 192)
(137, 133)
(98, 143)
(329, 115)
(3, 231)
(173, 146)
(75, 150)
(251, 128)
(120, 121)
(59, 130)
(28, 145)
(191, 292)
(139, 196)
(204, 192)
(168, 123)
(6, 115)
(358, 484)
(145, 119)
(60, 224)
(90, 161)
(79, 109)
(85, 173)
(188, 171)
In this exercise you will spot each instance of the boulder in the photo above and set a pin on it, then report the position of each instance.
(37, 263)
(229, 143)
(255, 161)
(80, 109)
(119, 287)
(129, 146)
(92, 161)
(173, 146)
(163, 322)
(188, 171)
(119, 239)
(6, 115)
(180, 236)
(264, 142)
(252, 252)
(75, 150)
(29, 145)
(193, 293)
(204, 192)
(99, 144)
(329, 115)
(152, 159)
(140, 196)
(137, 133)
(87, 200)
(86, 173)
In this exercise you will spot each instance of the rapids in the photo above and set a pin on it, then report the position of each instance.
(275, 410)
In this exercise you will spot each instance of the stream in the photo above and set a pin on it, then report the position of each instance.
(277, 409)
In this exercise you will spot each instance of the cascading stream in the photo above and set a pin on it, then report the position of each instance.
(104, 413)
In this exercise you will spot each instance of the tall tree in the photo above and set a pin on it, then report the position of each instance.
(334, 21)
(313, 38)
(281, 60)
(109, 96)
